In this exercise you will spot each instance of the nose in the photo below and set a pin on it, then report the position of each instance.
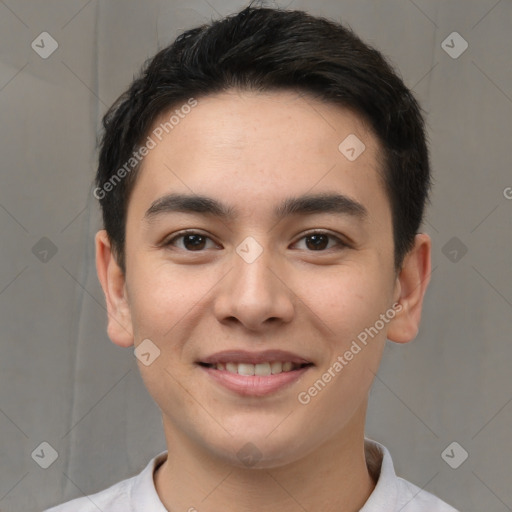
(255, 294)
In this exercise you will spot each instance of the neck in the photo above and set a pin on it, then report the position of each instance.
(334, 477)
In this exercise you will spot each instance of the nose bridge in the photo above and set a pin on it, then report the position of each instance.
(252, 269)
(253, 293)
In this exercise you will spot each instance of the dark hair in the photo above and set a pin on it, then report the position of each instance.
(264, 49)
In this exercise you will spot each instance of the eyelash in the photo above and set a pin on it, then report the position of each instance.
(339, 243)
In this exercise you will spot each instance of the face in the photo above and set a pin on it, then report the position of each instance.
(266, 276)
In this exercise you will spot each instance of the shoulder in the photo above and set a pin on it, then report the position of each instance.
(393, 493)
(137, 493)
(412, 498)
(113, 499)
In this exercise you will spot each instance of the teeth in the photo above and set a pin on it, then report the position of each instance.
(276, 367)
(260, 369)
(245, 369)
(232, 367)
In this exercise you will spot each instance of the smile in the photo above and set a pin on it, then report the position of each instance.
(255, 380)
(260, 369)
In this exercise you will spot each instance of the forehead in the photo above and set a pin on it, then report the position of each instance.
(251, 149)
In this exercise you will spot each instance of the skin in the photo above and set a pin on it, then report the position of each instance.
(251, 151)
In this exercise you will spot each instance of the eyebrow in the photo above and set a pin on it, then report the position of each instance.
(302, 205)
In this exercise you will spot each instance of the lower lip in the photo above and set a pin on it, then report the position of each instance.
(255, 385)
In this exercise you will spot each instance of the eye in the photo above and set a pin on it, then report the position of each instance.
(192, 241)
(319, 241)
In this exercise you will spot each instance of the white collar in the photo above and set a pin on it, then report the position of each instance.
(143, 495)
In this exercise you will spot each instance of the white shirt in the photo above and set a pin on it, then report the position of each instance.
(138, 493)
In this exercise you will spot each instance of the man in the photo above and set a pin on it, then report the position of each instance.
(262, 185)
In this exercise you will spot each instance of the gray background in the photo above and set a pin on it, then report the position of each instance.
(62, 381)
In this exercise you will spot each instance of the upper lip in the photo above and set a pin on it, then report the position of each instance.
(242, 356)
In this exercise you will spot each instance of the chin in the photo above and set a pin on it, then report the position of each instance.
(261, 450)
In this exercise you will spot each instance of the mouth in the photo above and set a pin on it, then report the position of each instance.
(255, 374)
(259, 369)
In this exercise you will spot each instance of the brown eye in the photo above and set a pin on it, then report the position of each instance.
(191, 241)
(319, 241)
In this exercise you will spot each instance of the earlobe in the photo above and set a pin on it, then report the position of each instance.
(412, 284)
(112, 281)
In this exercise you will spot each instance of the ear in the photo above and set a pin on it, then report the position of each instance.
(112, 281)
(411, 285)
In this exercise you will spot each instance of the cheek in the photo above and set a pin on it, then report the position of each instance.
(353, 350)
(347, 307)
(160, 298)
(346, 300)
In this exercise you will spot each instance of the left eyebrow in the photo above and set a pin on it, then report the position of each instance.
(302, 205)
